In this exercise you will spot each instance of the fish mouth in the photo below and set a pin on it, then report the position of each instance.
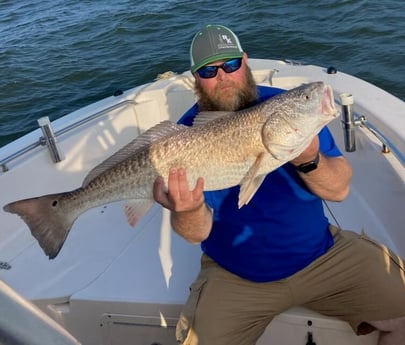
(328, 102)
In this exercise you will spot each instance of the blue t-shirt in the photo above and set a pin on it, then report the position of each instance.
(280, 231)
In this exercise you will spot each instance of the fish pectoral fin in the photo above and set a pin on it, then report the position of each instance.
(135, 209)
(251, 182)
(248, 190)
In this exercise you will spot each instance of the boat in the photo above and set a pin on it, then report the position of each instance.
(114, 284)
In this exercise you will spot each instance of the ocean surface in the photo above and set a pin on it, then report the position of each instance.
(59, 55)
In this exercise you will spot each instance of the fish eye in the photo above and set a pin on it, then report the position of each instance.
(54, 203)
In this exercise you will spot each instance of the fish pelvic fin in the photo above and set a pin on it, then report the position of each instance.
(251, 182)
(136, 209)
(48, 223)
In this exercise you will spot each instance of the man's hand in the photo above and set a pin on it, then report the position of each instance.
(178, 197)
(190, 216)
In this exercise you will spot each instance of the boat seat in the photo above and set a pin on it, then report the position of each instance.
(300, 325)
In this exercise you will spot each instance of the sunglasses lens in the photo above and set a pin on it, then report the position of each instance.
(208, 71)
(211, 71)
(232, 65)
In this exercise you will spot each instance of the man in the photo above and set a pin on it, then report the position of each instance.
(279, 250)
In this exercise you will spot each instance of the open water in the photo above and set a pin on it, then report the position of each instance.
(59, 55)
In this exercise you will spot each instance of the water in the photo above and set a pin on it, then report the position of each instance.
(59, 55)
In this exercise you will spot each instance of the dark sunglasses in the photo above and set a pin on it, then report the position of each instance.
(228, 66)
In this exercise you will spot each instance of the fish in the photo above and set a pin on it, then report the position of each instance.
(225, 148)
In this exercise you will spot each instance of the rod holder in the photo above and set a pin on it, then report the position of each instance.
(348, 122)
(50, 139)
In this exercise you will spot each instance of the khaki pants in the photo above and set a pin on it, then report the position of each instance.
(357, 280)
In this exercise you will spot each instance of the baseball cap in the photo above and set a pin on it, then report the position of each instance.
(213, 43)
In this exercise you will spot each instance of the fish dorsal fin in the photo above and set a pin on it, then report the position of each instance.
(207, 116)
(154, 133)
(251, 182)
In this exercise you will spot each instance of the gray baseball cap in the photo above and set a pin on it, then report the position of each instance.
(213, 43)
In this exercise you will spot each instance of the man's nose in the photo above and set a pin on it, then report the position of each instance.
(221, 74)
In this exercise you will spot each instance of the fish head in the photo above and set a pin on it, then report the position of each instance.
(295, 117)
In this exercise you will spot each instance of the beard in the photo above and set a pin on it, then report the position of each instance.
(232, 98)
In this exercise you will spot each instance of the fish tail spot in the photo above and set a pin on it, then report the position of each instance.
(48, 223)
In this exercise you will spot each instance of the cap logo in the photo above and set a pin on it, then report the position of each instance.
(226, 39)
(225, 42)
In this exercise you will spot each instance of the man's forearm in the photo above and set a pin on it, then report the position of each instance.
(194, 225)
(331, 179)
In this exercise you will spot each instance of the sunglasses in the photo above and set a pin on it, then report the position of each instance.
(229, 66)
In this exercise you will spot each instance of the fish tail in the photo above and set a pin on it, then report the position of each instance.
(46, 219)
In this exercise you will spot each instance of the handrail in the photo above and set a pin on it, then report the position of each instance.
(387, 145)
(93, 117)
(42, 142)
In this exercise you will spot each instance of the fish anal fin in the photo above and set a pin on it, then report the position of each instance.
(136, 209)
(251, 182)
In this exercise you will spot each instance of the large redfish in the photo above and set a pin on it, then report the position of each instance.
(226, 149)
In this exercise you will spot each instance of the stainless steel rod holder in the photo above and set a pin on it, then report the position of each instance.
(50, 139)
(348, 122)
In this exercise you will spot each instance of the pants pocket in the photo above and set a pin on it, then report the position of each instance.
(398, 261)
(186, 318)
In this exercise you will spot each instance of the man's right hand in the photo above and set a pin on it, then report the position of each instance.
(190, 216)
(178, 197)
